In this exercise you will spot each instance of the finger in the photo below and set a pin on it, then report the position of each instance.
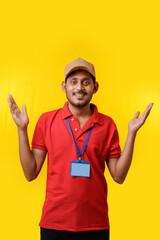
(150, 105)
(147, 111)
(24, 109)
(11, 99)
(12, 104)
(136, 115)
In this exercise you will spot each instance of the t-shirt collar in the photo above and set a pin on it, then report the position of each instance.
(95, 118)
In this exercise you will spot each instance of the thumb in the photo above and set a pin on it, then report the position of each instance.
(24, 109)
(137, 114)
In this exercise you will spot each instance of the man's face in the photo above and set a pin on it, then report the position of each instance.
(79, 88)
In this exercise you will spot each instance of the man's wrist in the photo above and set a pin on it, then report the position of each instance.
(22, 129)
(132, 132)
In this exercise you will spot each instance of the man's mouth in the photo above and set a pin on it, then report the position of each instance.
(79, 94)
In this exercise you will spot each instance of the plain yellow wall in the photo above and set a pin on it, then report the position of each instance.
(121, 38)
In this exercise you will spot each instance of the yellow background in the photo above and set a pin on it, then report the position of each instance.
(122, 40)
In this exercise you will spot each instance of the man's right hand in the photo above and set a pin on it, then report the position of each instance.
(21, 118)
(31, 160)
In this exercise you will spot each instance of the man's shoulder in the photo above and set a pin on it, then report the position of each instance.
(102, 118)
(105, 116)
(107, 120)
(49, 114)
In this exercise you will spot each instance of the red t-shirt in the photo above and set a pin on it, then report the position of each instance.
(75, 203)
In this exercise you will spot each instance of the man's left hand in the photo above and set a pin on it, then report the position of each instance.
(137, 121)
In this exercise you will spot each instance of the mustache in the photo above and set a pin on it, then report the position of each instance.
(79, 92)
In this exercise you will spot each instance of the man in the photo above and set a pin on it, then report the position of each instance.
(79, 140)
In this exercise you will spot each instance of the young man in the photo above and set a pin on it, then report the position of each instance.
(79, 140)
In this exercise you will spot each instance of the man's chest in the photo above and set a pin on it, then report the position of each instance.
(60, 142)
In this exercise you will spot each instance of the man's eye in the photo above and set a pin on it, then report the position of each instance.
(86, 82)
(73, 82)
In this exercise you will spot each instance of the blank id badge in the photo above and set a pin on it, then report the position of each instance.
(80, 168)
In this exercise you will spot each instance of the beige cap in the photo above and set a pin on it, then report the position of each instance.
(79, 64)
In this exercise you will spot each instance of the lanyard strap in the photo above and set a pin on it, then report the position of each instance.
(85, 144)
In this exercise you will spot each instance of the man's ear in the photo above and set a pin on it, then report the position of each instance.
(96, 86)
(63, 85)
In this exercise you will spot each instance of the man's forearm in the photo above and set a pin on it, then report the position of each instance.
(124, 162)
(27, 159)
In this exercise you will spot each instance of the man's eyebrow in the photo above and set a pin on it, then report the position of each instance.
(85, 78)
(74, 78)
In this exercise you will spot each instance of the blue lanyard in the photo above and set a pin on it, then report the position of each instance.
(85, 144)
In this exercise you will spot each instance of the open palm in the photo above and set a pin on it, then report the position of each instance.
(21, 118)
(137, 121)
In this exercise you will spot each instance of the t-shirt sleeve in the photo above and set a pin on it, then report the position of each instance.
(115, 149)
(38, 140)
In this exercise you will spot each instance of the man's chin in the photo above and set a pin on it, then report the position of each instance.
(79, 103)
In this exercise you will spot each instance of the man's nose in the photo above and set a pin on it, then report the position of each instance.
(80, 86)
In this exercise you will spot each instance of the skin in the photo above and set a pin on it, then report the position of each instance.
(31, 159)
(79, 90)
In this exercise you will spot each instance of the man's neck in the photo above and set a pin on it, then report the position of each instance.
(80, 111)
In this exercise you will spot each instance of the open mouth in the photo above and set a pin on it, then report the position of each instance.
(79, 95)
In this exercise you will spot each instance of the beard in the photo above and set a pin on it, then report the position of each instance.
(80, 103)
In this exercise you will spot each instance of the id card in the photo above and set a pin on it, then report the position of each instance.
(80, 168)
